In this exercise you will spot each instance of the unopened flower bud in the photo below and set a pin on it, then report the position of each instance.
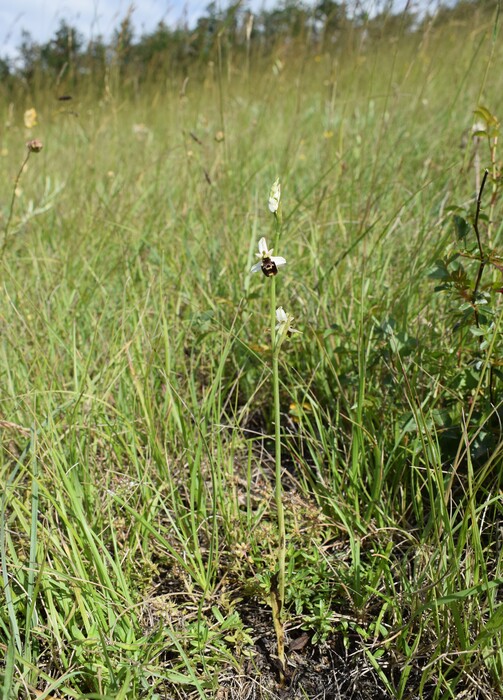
(284, 325)
(274, 196)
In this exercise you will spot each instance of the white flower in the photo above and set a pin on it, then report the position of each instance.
(274, 196)
(269, 263)
(281, 317)
(283, 327)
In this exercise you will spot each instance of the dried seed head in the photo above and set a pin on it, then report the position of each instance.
(34, 146)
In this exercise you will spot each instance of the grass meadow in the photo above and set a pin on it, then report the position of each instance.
(138, 522)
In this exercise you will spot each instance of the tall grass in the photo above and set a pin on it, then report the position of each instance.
(137, 524)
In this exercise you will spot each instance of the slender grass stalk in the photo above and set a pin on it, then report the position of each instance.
(33, 146)
(33, 565)
(11, 208)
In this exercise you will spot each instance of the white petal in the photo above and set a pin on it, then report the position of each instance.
(281, 316)
(278, 261)
(262, 247)
(256, 267)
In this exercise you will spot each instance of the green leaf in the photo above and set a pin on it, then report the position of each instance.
(490, 119)
(440, 271)
(461, 226)
(493, 627)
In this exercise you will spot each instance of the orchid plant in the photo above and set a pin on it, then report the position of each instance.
(281, 328)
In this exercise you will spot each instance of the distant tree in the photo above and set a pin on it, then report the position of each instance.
(94, 60)
(289, 20)
(389, 24)
(96, 52)
(206, 28)
(62, 50)
(122, 42)
(152, 51)
(462, 10)
(29, 52)
(5, 70)
(331, 16)
(152, 44)
(230, 22)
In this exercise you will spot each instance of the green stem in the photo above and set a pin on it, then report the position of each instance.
(278, 608)
(494, 188)
(279, 485)
(273, 318)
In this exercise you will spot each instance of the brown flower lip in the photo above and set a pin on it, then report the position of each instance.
(269, 267)
(34, 146)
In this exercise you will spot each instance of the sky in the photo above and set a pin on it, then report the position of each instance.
(92, 17)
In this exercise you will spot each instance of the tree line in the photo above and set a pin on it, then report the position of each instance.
(325, 25)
